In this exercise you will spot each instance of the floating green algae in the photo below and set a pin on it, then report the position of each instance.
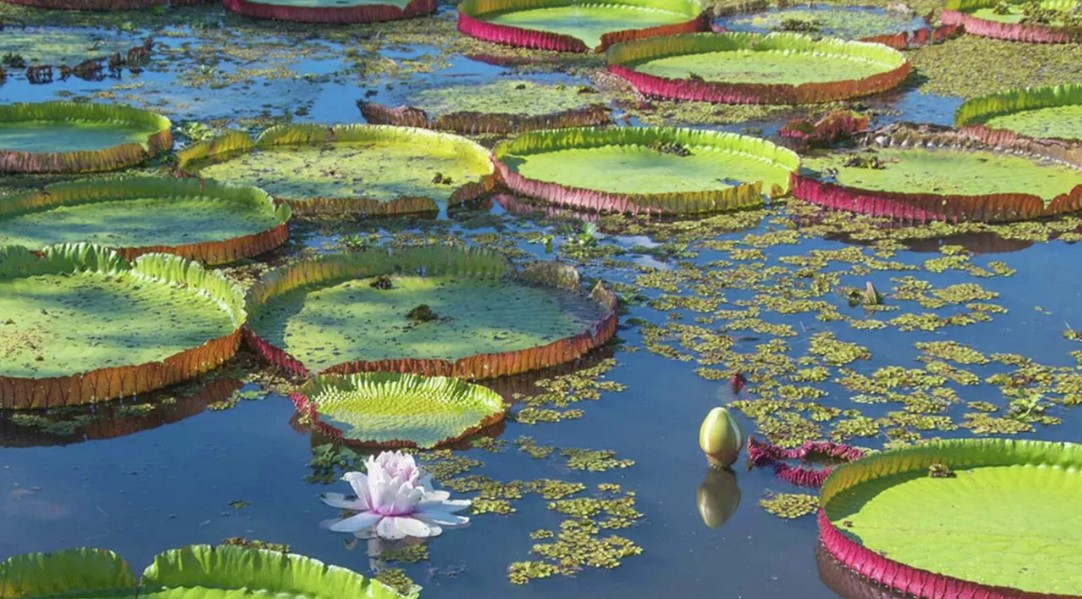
(503, 96)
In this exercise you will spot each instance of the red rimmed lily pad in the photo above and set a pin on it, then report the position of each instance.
(103, 5)
(575, 25)
(436, 311)
(1047, 120)
(210, 222)
(374, 170)
(652, 170)
(496, 107)
(752, 68)
(925, 520)
(1052, 23)
(66, 137)
(333, 11)
(393, 410)
(81, 324)
(939, 175)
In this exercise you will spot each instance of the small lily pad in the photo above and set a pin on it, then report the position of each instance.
(389, 410)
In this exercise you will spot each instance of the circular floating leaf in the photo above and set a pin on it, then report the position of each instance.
(1015, 118)
(497, 107)
(1054, 22)
(199, 220)
(65, 137)
(751, 68)
(645, 169)
(68, 45)
(390, 410)
(924, 520)
(369, 169)
(333, 11)
(946, 183)
(861, 23)
(195, 572)
(432, 310)
(575, 25)
(79, 324)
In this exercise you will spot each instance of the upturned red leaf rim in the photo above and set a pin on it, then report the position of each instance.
(79, 388)
(958, 12)
(622, 59)
(210, 252)
(103, 5)
(308, 399)
(60, 161)
(958, 454)
(472, 13)
(360, 13)
(928, 206)
(332, 269)
(737, 197)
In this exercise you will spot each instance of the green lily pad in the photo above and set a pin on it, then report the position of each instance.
(1053, 112)
(753, 68)
(370, 169)
(64, 46)
(587, 22)
(398, 410)
(434, 310)
(198, 571)
(65, 137)
(949, 172)
(80, 324)
(946, 507)
(629, 168)
(201, 220)
(1014, 12)
(846, 22)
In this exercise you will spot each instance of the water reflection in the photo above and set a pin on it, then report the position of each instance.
(847, 583)
(75, 424)
(718, 496)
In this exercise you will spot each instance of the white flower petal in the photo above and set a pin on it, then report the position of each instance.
(388, 529)
(339, 501)
(441, 496)
(412, 527)
(360, 484)
(442, 518)
(361, 521)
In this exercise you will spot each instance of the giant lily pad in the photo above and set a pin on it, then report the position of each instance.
(200, 220)
(940, 183)
(497, 107)
(332, 11)
(1015, 118)
(961, 518)
(432, 310)
(645, 169)
(80, 324)
(751, 68)
(200, 571)
(65, 137)
(1054, 21)
(576, 25)
(366, 169)
(71, 50)
(896, 29)
(391, 410)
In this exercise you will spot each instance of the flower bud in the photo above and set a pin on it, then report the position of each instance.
(721, 438)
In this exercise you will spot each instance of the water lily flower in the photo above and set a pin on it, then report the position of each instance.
(394, 500)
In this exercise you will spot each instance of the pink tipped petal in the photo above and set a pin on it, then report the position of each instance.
(361, 521)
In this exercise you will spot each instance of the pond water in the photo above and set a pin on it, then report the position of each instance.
(142, 480)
